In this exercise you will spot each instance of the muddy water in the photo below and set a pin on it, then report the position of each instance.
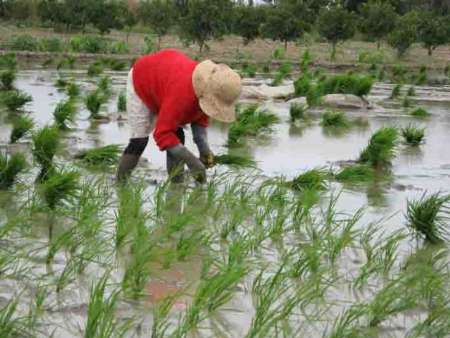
(288, 151)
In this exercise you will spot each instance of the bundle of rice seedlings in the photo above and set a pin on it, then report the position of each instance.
(104, 84)
(45, 145)
(297, 112)
(234, 160)
(314, 179)
(15, 100)
(282, 72)
(334, 119)
(122, 103)
(94, 101)
(396, 91)
(381, 147)
(346, 84)
(8, 61)
(302, 85)
(64, 113)
(10, 167)
(422, 78)
(61, 83)
(420, 112)
(22, 124)
(95, 69)
(102, 156)
(59, 187)
(406, 102)
(413, 135)
(313, 96)
(356, 173)
(411, 91)
(429, 217)
(73, 90)
(250, 122)
(7, 78)
(249, 70)
(381, 74)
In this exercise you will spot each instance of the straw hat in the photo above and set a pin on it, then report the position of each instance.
(218, 88)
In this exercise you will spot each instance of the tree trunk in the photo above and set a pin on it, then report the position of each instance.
(285, 45)
(430, 51)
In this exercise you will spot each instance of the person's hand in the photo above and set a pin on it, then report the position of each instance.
(197, 168)
(208, 160)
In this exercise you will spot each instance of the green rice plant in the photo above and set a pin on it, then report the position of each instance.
(381, 148)
(250, 122)
(95, 69)
(413, 135)
(61, 83)
(94, 101)
(8, 61)
(59, 188)
(101, 313)
(406, 102)
(24, 42)
(234, 160)
(104, 84)
(347, 325)
(52, 45)
(14, 100)
(297, 112)
(356, 173)
(64, 114)
(411, 91)
(10, 167)
(381, 74)
(122, 103)
(422, 77)
(22, 124)
(249, 70)
(396, 91)
(160, 313)
(278, 53)
(67, 62)
(420, 113)
(428, 217)
(334, 119)
(302, 85)
(306, 61)
(314, 179)
(282, 72)
(399, 72)
(314, 96)
(113, 64)
(7, 78)
(101, 156)
(73, 90)
(11, 325)
(346, 84)
(119, 47)
(45, 144)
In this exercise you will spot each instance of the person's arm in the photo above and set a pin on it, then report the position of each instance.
(200, 136)
(130, 157)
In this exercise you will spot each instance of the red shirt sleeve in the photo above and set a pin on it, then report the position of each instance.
(203, 121)
(168, 121)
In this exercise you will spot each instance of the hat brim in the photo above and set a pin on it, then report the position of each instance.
(217, 110)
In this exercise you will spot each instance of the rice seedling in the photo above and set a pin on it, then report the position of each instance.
(278, 53)
(95, 69)
(413, 135)
(250, 122)
(306, 61)
(314, 179)
(14, 99)
(346, 84)
(334, 119)
(11, 325)
(399, 72)
(411, 91)
(59, 188)
(160, 314)
(422, 77)
(101, 156)
(94, 101)
(282, 72)
(22, 124)
(428, 217)
(7, 78)
(10, 167)
(64, 114)
(356, 173)
(67, 62)
(104, 84)
(406, 102)
(249, 70)
(297, 112)
(122, 103)
(381, 148)
(314, 96)
(381, 74)
(234, 160)
(302, 85)
(73, 90)
(8, 61)
(61, 83)
(45, 144)
(396, 91)
(420, 113)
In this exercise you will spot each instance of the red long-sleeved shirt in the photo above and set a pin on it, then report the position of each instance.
(163, 81)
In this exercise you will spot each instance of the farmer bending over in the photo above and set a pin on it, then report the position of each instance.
(166, 91)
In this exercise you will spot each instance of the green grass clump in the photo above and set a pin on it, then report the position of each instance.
(95, 69)
(61, 83)
(428, 217)
(94, 101)
(73, 90)
(334, 119)
(411, 91)
(420, 112)
(59, 187)
(297, 112)
(346, 84)
(122, 103)
(381, 147)
(248, 70)
(7, 78)
(64, 114)
(104, 84)
(8, 61)
(10, 167)
(45, 144)
(396, 91)
(22, 124)
(107, 155)
(314, 179)
(234, 160)
(302, 85)
(250, 122)
(413, 135)
(15, 100)
(314, 96)
(356, 173)
(406, 102)
(282, 72)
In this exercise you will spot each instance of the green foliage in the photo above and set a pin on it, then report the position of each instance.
(428, 217)
(314, 96)
(381, 148)
(23, 42)
(356, 173)
(250, 122)
(95, 69)
(306, 61)
(420, 112)
(64, 114)
(314, 179)
(8, 61)
(334, 119)
(94, 101)
(88, 44)
(234, 160)
(73, 90)
(10, 167)
(102, 156)
(396, 91)
(59, 188)
(406, 102)
(14, 100)
(247, 22)
(377, 19)
(119, 47)
(297, 112)
(302, 85)
(433, 30)
(159, 15)
(7, 78)
(282, 72)
(45, 144)
(374, 58)
(413, 135)
(346, 84)
(405, 34)
(411, 91)
(51, 45)
(248, 70)
(122, 102)
(22, 124)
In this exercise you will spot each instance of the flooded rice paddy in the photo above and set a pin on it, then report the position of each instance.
(242, 257)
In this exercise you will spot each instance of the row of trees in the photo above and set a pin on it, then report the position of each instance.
(400, 22)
